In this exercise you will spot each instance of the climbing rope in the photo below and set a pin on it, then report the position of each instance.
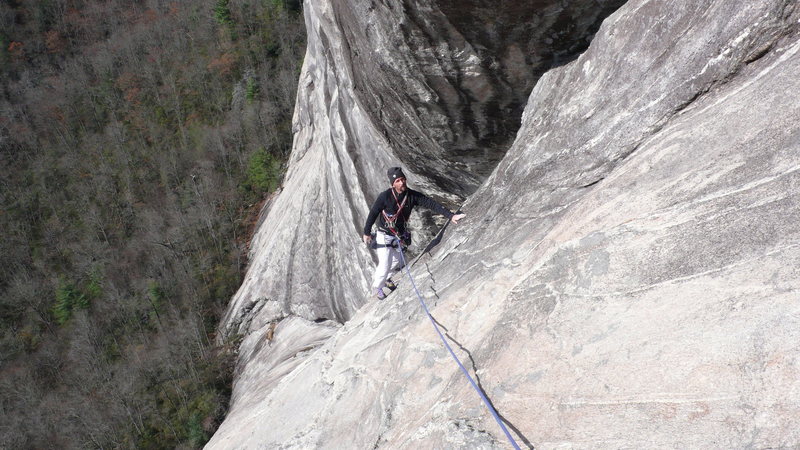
(452, 353)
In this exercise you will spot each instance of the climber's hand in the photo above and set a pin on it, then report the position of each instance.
(457, 217)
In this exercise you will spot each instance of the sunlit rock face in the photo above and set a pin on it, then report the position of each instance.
(436, 88)
(626, 276)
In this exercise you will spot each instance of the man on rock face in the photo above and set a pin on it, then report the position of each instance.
(392, 209)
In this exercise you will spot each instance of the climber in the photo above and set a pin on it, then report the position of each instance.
(392, 210)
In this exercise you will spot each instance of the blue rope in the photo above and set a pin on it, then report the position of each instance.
(463, 369)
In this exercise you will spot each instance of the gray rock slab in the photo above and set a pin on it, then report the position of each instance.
(625, 278)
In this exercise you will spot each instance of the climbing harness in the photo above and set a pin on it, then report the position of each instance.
(391, 219)
(452, 353)
(373, 243)
(395, 243)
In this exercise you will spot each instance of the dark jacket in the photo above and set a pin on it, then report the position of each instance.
(388, 202)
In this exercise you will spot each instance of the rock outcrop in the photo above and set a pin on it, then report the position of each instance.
(394, 84)
(626, 277)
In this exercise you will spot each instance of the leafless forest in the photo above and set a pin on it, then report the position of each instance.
(137, 139)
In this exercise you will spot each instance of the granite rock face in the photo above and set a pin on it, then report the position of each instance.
(626, 276)
(419, 84)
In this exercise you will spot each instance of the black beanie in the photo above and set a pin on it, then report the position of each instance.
(395, 173)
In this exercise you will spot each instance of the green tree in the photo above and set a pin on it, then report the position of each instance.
(68, 299)
(263, 171)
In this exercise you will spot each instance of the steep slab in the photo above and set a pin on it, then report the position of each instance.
(408, 84)
(628, 274)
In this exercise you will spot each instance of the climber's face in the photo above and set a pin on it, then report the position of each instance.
(399, 185)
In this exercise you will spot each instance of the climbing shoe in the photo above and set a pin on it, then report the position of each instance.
(390, 284)
(379, 294)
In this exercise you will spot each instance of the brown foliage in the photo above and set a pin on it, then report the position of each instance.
(124, 190)
(224, 64)
(149, 16)
(55, 42)
(16, 49)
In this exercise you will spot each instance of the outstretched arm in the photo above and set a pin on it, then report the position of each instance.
(433, 205)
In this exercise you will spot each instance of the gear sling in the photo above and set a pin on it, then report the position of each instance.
(391, 221)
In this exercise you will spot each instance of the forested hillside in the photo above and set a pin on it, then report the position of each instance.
(137, 140)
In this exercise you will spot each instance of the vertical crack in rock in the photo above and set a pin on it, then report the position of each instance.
(473, 364)
(477, 377)
(433, 283)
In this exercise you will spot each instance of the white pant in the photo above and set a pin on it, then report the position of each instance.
(388, 258)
